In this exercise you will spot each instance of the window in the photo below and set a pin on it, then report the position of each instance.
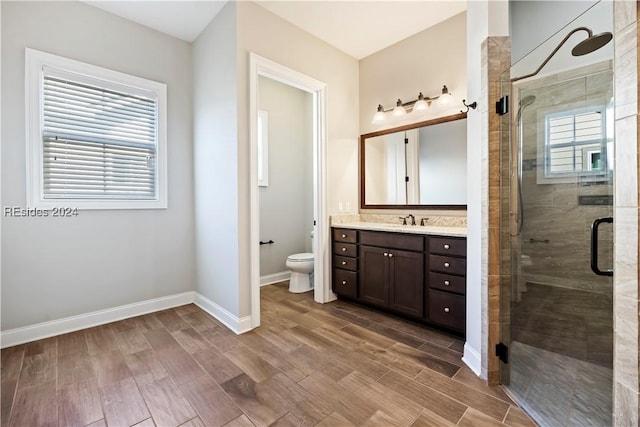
(263, 148)
(97, 138)
(575, 143)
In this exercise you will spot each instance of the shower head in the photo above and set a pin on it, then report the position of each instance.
(591, 43)
(524, 102)
(527, 100)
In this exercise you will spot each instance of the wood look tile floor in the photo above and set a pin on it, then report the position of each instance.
(309, 364)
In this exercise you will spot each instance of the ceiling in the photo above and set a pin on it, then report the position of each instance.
(358, 28)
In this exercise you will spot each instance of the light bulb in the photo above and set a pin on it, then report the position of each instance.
(445, 98)
(379, 116)
(420, 105)
(399, 110)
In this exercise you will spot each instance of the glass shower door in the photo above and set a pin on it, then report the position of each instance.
(557, 312)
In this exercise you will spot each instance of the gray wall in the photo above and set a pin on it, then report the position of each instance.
(443, 163)
(216, 160)
(532, 22)
(54, 268)
(286, 205)
(221, 140)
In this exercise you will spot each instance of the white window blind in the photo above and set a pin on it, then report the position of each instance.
(575, 142)
(98, 143)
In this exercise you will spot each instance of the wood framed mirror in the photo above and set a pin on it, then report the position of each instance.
(418, 166)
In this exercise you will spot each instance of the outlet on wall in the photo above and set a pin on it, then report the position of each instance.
(340, 209)
(347, 207)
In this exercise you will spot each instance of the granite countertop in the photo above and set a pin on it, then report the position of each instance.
(439, 230)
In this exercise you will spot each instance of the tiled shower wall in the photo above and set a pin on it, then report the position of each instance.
(626, 276)
(556, 229)
(496, 57)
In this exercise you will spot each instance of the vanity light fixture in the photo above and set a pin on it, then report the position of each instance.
(379, 116)
(399, 110)
(445, 98)
(421, 104)
(416, 106)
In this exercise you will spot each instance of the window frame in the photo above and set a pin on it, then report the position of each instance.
(35, 63)
(558, 176)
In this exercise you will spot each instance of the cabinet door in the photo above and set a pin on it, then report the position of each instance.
(374, 273)
(406, 282)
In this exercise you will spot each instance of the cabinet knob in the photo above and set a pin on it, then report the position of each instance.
(390, 255)
(344, 249)
(446, 309)
(447, 283)
(385, 254)
(344, 235)
(344, 262)
(446, 246)
(344, 282)
(446, 264)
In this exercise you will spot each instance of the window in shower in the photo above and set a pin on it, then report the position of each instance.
(575, 143)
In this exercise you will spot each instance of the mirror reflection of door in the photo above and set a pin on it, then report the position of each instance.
(424, 165)
(396, 168)
(393, 167)
(412, 160)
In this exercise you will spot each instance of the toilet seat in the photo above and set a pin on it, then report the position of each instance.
(301, 257)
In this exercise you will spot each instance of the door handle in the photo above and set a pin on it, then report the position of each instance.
(594, 245)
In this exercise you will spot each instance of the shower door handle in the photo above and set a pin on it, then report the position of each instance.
(594, 245)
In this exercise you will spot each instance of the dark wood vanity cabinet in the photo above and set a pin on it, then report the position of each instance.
(392, 276)
(446, 300)
(406, 282)
(402, 273)
(345, 262)
(373, 280)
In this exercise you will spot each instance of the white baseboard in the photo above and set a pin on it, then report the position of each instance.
(231, 321)
(269, 279)
(38, 331)
(472, 359)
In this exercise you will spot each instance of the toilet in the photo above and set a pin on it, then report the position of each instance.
(301, 267)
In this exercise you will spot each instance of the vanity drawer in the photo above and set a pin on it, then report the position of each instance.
(447, 264)
(345, 282)
(447, 282)
(448, 246)
(447, 309)
(345, 235)
(345, 249)
(406, 242)
(345, 262)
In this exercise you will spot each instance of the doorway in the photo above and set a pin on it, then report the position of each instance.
(285, 178)
(263, 67)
